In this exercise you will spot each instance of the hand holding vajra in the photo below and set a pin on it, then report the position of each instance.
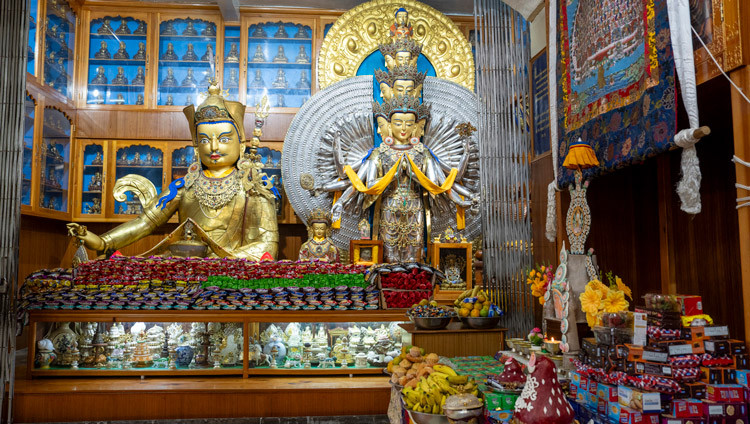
(89, 239)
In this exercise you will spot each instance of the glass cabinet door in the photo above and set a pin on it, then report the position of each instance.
(55, 161)
(117, 61)
(279, 63)
(271, 160)
(31, 46)
(28, 149)
(186, 60)
(59, 41)
(143, 160)
(92, 179)
(181, 160)
(232, 62)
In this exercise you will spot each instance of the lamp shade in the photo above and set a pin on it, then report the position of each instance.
(580, 156)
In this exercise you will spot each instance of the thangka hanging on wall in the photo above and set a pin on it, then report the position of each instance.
(616, 86)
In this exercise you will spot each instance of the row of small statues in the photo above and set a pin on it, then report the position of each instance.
(259, 32)
(208, 56)
(148, 159)
(122, 53)
(123, 29)
(188, 81)
(120, 78)
(64, 50)
(190, 31)
(50, 203)
(119, 100)
(280, 81)
(260, 57)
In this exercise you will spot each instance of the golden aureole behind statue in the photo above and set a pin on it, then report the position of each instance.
(224, 197)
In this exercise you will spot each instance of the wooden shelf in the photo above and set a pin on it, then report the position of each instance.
(281, 371)
(90, 372)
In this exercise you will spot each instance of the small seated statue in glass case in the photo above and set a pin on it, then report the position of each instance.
(259, 32)
(259, 57)
(280, 101)
(188, 100)
(208, 56)
(234, 56)
(169, 80)
(106, 28)
(189, 80)
(281, 32)
(141, 30)
(280, 81)
(102, 53)
(190, 55)
(123, 158)
(303, 81)
(140, 77)
(149, 160)
(169, 54)
(121, 52)
(141, 53)
(302, 56)
(280, 56)
(123, 28)
(301, 32)
(96, 207)
(139, 100)
(119, 100)
(99, 78)
(233, 81)
(168, 29)
(120, 78)
(170, 100)
(190, 29)
(98, 160)
(258, 81)
(210, 30)
(96, 182)
(136, 159)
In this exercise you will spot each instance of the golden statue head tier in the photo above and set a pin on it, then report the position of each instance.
(320, 216)
(403, 51)
(403, 80)
(401, 104)
(216, 109)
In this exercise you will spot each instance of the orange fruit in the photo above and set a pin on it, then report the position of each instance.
(475, 313)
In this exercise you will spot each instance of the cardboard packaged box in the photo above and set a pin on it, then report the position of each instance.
(737, 347)
(667, 419)
(686, 408)
(715, 420)
(640, 401)
(690, 304)
(718, 375)
(724, 410)
(741, 361)
(607, 392)
(717, 347)
(742, 377)
(725, 393)
(631, 416)
(613, 411)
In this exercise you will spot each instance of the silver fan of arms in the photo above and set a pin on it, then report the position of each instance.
(345, 110)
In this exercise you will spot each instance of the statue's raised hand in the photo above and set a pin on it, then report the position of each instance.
(89, 239)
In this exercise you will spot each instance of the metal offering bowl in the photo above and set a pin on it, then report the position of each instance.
(431, 323)
(481, 323)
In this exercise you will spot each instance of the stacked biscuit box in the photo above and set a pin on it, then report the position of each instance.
(686, 372)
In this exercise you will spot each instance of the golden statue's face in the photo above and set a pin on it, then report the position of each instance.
(403, 58)
(218, 144)
(403, 87)
(402, 18)
(319, 230)
(402, 126)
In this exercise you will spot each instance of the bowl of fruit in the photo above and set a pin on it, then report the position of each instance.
(429, 315)
(476, 310)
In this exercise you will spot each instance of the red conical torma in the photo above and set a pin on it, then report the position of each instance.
(542, 400)
(512, 373)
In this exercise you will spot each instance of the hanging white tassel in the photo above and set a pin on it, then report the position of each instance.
(689, 186)
(551, 225)
(739, 161)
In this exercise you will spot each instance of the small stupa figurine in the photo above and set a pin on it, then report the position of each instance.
(190, 55)
(119, 100)
(141, 30)
(140, 77)
(280, 81)
(190, 29)
(123, 28)
(233, 81)
(102, 53)
(139, 100)
(169, 80)
(259, 57)
(188, 100)
(170, 100)
(542, 400)
(280, 56)
(208, 56)
(301, 32)
(169, 54)
(302, 56)
(257, 82)
(121, 52)
(141, 53)
(303, 81)
(99, 78)
(280, 101)
(168, 29)
(234, 56)
(120, 78)
(319, 246)
(189, 80)
(106, 28)
(281, 32)
(210, 30)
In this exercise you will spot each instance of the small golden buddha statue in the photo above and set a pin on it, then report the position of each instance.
(120, 78)
(190, 29)
(141, 30)
(168, 29)
(106, 28)
(301, 32)
(140, 77)
(234, 55)
(170, 100)
(99, 78)
(259, 32)
(280, 56)
(401, 28)
(102, 53)
(141, 53)
(190, 54)
(188, 100)
(303, 81)
(98, 159)
(121, 52)
(233, 79)
(319, 246)
(96, 207)
(302, 56)
(169, 54)
(258, 81)
(210, 30)
(280, 100)
(259, 56)
(119, 100)
(224, 194)
(169, 80)
(280, 81)
(139, 100)
(99, 99)
(208, 56)
(281, 32)
(189, 80)
(123, 28)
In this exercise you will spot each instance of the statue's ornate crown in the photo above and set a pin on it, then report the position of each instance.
(320, 216)
(401, 104)
(401, 45)
(215, 108)
(400, 72)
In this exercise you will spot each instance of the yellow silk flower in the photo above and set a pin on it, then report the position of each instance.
(622, 287)
(615, 302)
(600, 287)
(592, 319)
(590, 300)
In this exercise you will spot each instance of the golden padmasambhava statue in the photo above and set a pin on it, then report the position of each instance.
(319, 246)
(225, 194)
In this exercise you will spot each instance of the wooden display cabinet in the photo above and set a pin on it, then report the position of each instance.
(460, 254)
(93, 160)
(30, 172)
(132, 158)
(51, 324)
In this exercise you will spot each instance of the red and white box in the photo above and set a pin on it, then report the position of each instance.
(686, 408)
(690, 304)
(725, 393)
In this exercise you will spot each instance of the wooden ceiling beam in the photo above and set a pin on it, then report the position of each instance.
(230, 10)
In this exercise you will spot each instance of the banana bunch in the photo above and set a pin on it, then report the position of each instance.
(431, 391)
(468, 293)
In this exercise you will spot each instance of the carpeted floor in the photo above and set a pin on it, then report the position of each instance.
(364, 419)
